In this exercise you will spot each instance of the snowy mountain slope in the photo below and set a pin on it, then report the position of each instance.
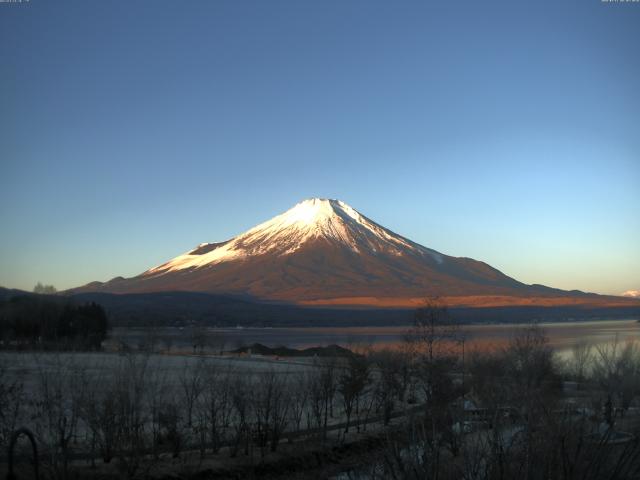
(323, 251)
(310, 220)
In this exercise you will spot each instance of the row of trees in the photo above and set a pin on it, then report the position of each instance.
(128, 409)
(514, 419)
(614, 368)
(39, 320)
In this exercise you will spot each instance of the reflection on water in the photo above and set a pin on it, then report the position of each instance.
(562, 336)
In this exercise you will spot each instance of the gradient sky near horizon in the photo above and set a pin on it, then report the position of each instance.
(509, 132)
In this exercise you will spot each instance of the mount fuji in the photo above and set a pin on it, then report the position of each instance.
(324, 252)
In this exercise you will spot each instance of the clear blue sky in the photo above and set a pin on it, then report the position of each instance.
(509, 132)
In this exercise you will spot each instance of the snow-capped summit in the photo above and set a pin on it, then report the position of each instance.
(323, 251)
(316, 219)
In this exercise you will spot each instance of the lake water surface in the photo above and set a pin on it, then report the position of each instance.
(562, 335)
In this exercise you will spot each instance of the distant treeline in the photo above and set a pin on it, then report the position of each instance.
(185, 308)
(195, 308)
(48, 321)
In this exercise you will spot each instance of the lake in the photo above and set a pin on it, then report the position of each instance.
(562, 335)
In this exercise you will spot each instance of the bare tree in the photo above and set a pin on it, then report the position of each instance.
(12, 396)
(616, 367)
(130, 391)
(59, 391)
(98, 411)
(435, 331)
(270, 410)
(241, 402)
(262, 408)
(298, 392)
(351, 384)
(392, 380)
(280, 416)
(169, 423)
(157, 395)
(217, 404)
(191, 384)
(530, 362)
(580, 359)
(322, 388)
(531, 373)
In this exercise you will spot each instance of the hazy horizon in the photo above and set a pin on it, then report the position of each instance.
(133, 131)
